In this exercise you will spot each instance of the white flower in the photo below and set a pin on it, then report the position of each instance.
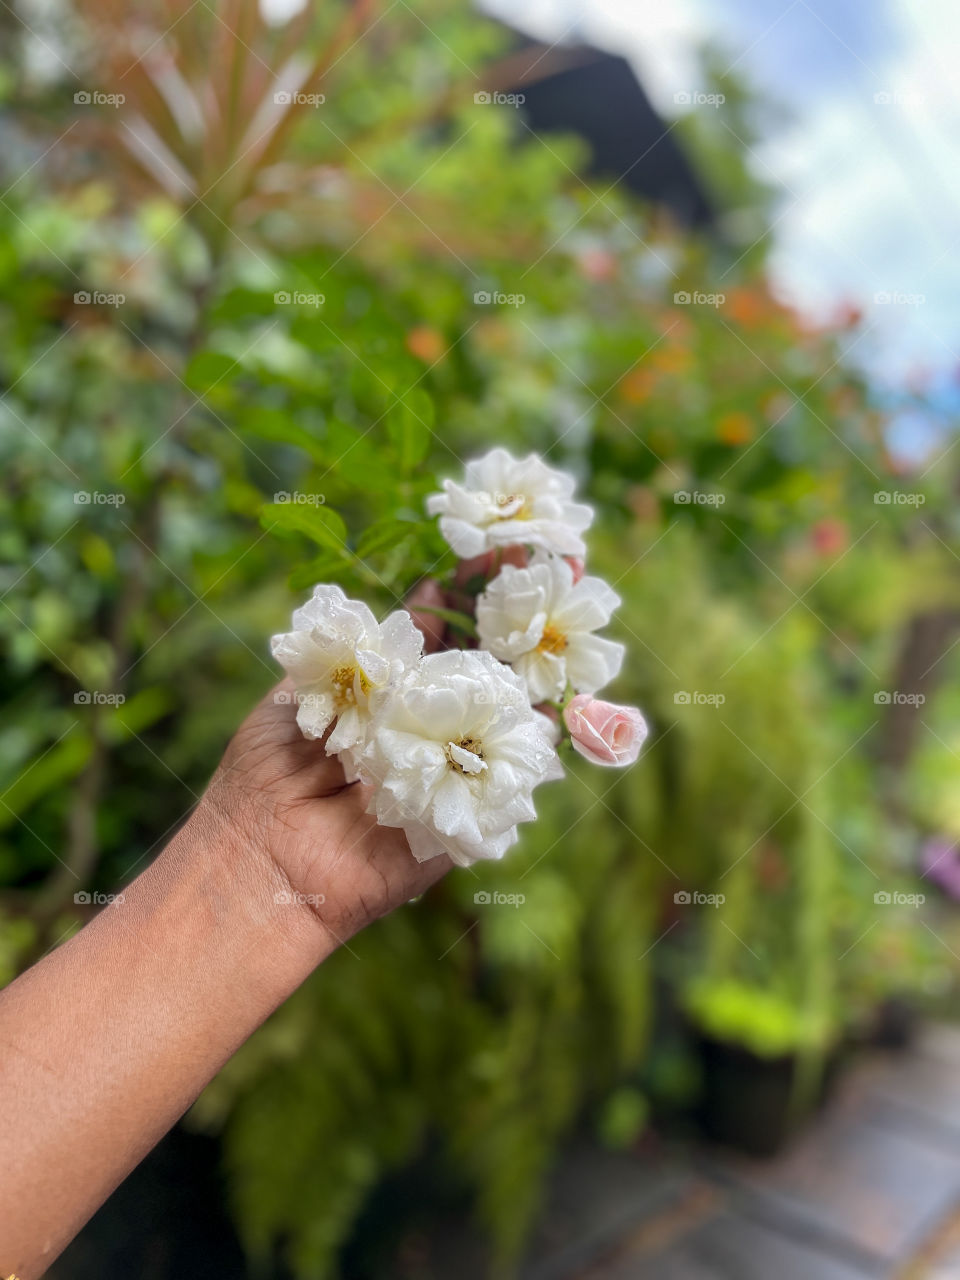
(505, 501)
(343, 662)
(454, 755)
(542, 623)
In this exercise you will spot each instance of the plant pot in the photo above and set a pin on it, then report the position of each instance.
(894, 1024)
(750, 1103)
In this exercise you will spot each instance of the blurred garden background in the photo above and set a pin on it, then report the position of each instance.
(265, 276)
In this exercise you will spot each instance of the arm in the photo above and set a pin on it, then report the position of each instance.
(107, 1041)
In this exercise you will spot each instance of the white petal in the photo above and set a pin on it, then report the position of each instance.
(400, 639)
(587, 607)
(467, 540)
(452, 809)
(348, 731)
(467, 761)
(315, 713)
(424, 843)
(592, 661)
(374, 666)
(545, 674)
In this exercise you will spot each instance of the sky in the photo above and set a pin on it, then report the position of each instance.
(865, 158)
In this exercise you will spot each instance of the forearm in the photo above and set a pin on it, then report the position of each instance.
(108, 1040)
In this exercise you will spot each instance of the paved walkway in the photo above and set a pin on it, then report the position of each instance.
(871, 1191)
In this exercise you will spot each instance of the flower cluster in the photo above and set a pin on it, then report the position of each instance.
(453, 743)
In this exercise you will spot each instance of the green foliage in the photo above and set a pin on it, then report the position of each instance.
(767, 1025)
(238, 448)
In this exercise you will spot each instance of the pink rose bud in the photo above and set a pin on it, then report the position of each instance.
(490, 563)
(603, 732)
(577, 566)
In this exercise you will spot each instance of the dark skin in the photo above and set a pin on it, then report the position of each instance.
(271, 780)
(108, 1040)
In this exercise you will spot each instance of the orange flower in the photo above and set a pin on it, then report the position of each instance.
(749, 307)
(735, 428)
(426, 344)
(637, 385)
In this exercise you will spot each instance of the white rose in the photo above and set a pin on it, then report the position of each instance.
(542, 623)
(505, 501)
(454, 755)
(343, 662)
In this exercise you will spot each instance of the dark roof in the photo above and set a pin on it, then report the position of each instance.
(598, 96)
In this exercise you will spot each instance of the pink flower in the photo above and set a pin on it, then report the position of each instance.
(489, 563)
(603, 732)
(577, 567)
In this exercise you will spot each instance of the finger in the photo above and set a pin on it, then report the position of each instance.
(271, 750)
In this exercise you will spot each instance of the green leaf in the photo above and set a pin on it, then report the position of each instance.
(409, 430)
(208, 369)
(320, 569)
(383, 534)
(272, 424)
(139, 712)
(320, 524)
(59, 765)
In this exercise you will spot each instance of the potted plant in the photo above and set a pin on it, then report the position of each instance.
(764, 1062)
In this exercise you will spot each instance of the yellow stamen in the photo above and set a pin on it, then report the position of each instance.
(552, 641)
(342, 679)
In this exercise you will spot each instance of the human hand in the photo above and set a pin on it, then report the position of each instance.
(279, 799)
(278, 865)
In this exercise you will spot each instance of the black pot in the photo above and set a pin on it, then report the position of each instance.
(750, 1103)
(895, 1023)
